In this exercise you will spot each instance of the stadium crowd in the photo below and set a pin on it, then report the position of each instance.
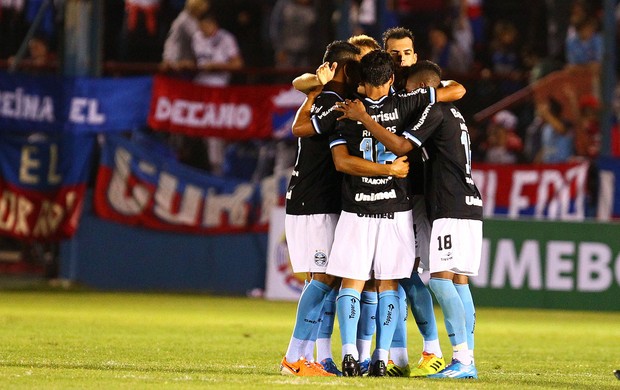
(494, 48)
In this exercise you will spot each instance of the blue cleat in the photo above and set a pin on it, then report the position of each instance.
(457, 370)
(329, 366)
(364, 366)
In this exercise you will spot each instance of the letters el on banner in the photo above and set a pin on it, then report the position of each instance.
(137, 187)
(43, 179)
(49, 104)
(550, 191)
(235, 112)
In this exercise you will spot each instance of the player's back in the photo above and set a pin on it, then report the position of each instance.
(315, 186)
(451, 190)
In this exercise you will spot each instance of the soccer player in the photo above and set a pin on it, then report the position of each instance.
(375, 232)
(313, 205)
(399, 42)
(455, 211)
(367, 323)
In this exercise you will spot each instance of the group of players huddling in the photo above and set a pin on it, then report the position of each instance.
(381, 188)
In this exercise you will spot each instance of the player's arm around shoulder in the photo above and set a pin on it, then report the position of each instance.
(308, 81)
(450, 91)
(357, 166)
(302, 124)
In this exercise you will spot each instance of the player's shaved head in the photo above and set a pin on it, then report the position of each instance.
(341, 52)
(423, 74)
(377, 68)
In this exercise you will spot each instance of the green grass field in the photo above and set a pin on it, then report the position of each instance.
(85, 340)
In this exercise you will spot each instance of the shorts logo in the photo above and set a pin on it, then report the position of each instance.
(320, 259)
(448, 257)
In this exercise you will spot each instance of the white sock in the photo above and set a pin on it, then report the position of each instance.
(461, 353)
(432, 346)
(323, 349)
(363, 346)
(350, 349)
(380, 354)
(295, 350)
(399, 356)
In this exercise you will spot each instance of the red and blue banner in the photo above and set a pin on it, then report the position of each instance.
(234, 113)
(43, 179)
(51, 104)
(550, 191)
(137, 187)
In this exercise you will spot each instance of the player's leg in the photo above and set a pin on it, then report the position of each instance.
(398, 365)
(348, 311)
(394, 260)
(367, 324)
(449, 254)
(351, 259)
(304, 257)
(388, 316)
(325, 329)
(432, 360)
(462, 288)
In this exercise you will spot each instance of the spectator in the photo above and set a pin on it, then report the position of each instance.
(446, 52)
(291, 31)
(39, 57)
(216, 51)
(556, 134)
(140, 33)
(147, 10)
(504, 54)
(586, 46)
(178, 54)
(503, 144)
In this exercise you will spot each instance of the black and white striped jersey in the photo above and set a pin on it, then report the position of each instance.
(379, 194)
(315, 185)
(450, 191)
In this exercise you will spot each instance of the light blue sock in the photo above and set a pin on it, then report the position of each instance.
(348, 311)
(470, 312)
(329, 315)
(388, 314)
(326, 327)
(367, 325)
(421, 306)
(453, 310)
(307, 319)
(400, 334)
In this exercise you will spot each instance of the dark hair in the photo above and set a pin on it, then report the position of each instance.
(377, 67)
(425, 70)
(341, 52)
(397, 33)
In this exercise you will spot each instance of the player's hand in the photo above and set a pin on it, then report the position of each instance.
(353, 110)
(325, 73)
(399, 167)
